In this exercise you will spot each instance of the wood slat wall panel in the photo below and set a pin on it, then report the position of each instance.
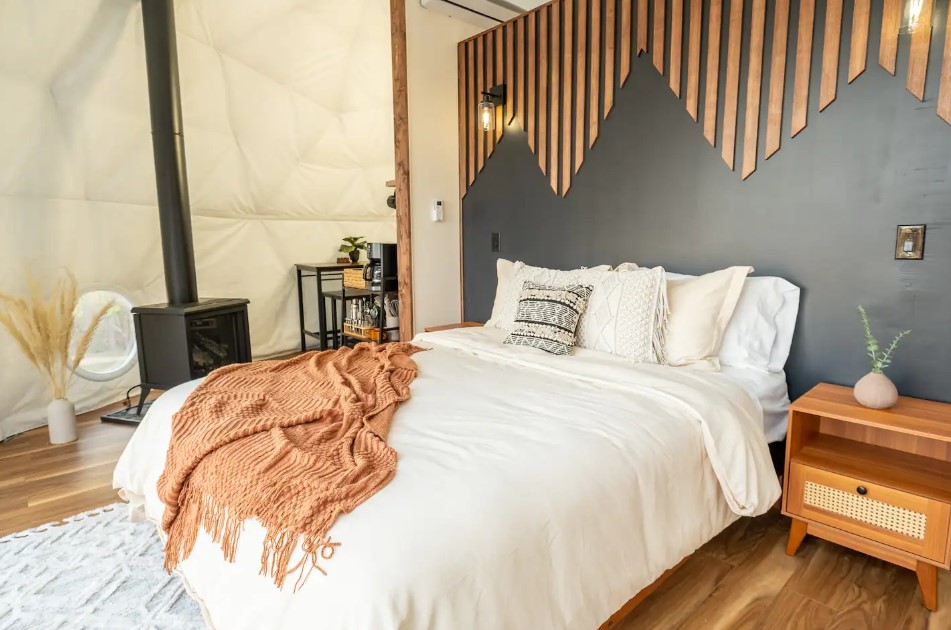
(888, 46)
(713, 71)
(489, 84)
(918, 57)
(944, 90)
(676, 43)
(693, 58)
(657, 43)
(543, 89)
(471, 118)
(480, 87)
(732, 87)
(509, 72)
(581, 80)
(609, 47)
(777, 77)
(625, 67)
(753, 87)
(463, 98)
(594, 90)
(520, 74)
(641, 26)
(500, 78)
(554, 64)
(858, 49)
(532, 111)
(568, 62)
(832, 38)
(807, 15)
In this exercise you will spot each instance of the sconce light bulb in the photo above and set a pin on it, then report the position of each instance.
(487, 109)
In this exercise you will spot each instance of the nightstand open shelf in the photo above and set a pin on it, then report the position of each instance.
(878, 481)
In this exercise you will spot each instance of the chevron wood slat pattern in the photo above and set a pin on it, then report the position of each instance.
(581, 81)
(944, 90)
(713, 71)
(888, 46)
(807, 15)
(918, 57)
(676, 44)
(693, 58)
(657, 43)
(830, 53)
(625, 65)
(565, 63)
(594, 89)
(567, 119)
(754, 85)
(732, 87)
(777, 77)
(858, 52)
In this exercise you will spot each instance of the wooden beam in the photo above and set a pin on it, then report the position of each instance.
(625, 41)
(404, 240)
(567, 131)
(732, 88)
(609, 43)
(594, 90)
(520, 79)
(641, 26)
(832, 38)
(888, 46)
(471, 109)
(581, 81)
(554, 142)
(713, 72)
(676, 43)
(777, 77)
(807, 16)
(754, 86)
(462, 116)
(532, 68)
(500, 78)
(918, 57)
(944, 91)
(509, 73)
(858, 50)
(543, 30)
(657, 43)
(490, 82)
(693, 58)
(480, 88)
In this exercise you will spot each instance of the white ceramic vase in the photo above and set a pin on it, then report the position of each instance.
(61, 416)
(875, 391)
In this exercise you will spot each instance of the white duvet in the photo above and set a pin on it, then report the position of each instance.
(532, 491)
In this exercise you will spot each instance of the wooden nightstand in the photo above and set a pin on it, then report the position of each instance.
(452, 326)
(877, 481)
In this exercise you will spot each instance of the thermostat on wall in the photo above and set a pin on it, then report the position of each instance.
(437, 211)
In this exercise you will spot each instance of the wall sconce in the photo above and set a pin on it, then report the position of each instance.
(490, 100)
(911, 17)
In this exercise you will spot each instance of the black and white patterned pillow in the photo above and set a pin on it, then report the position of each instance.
(547, 317)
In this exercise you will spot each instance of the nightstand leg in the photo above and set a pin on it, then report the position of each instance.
(928, 582)
(797, 533)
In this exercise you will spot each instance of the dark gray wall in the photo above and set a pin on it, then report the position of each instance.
(822, 212)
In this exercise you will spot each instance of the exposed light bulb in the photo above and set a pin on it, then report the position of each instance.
(487, 109)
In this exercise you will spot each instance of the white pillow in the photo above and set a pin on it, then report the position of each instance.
(760, 332)
(507, 294)
(700, 310)
(627, 314)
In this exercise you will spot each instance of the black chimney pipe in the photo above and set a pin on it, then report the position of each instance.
(168, 147)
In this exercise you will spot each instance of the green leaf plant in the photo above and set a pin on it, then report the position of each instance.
(879, 360)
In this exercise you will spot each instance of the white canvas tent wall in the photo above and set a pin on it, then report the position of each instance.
(289, 142)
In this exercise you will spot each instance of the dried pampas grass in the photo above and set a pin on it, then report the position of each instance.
(43, 330)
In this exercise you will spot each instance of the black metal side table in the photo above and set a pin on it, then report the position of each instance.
(323, 273)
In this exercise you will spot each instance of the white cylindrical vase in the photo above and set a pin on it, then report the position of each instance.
(61, 416)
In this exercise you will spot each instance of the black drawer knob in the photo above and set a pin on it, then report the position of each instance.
(862, 490)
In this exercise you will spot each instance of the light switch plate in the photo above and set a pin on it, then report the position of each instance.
(496, 242)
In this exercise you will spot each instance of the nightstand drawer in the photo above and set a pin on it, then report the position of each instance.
(906, 521)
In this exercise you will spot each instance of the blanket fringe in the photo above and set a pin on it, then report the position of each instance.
(661, 318)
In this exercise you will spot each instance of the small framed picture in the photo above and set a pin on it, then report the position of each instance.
(910, 242)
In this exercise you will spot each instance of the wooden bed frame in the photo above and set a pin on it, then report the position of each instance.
(626, 609)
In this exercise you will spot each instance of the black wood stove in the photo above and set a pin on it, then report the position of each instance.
(188, 337)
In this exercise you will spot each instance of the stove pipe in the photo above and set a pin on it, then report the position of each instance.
(168, 147)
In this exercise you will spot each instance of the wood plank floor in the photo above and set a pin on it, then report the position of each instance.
(742, 579)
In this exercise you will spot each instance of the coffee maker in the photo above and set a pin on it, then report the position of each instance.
(381, 270)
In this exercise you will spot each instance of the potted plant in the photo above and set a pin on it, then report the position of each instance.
(44, 332)
(352, 246)
(875, 390)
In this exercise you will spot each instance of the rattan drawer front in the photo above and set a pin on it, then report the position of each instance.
(905, 521)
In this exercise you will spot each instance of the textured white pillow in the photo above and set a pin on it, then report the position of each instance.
(700, 310)
(627, 315)
(503, 313)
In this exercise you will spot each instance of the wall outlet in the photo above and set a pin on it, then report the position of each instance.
(496, 242)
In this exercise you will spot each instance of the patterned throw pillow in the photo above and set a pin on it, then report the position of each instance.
(547, 317)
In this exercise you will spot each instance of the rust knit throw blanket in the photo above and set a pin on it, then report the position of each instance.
(291, 443)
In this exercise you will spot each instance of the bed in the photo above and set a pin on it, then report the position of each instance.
(531, 491)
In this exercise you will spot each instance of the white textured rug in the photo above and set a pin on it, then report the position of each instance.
(98, 571)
